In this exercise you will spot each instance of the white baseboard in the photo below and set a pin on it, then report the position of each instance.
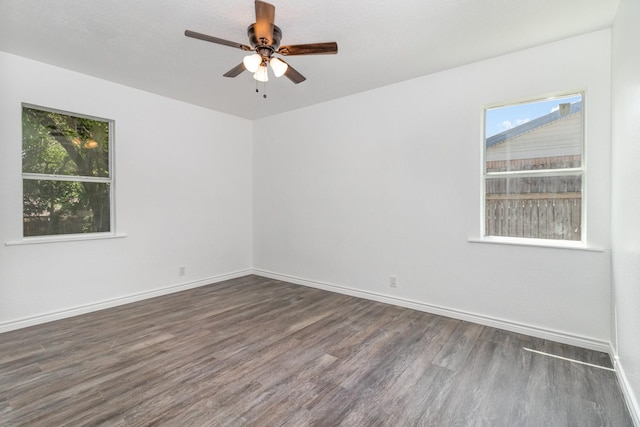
(401, 302)
(632, 403)
(558, 336)
(75, 311)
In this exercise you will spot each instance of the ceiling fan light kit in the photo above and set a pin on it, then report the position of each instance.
(264, 40)
(261, 75)
(278, 66)
(252, 62)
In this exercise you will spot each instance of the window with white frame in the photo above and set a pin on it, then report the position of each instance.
(66, 173)
(533, 169)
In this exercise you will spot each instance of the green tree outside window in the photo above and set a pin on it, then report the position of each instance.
(66, 174)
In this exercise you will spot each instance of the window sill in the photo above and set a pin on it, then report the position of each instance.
(67, 238)
(539, 243)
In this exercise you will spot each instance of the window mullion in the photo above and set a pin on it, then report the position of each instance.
(533, 173)
(71, 178)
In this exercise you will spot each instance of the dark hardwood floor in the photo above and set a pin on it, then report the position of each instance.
(254, 351)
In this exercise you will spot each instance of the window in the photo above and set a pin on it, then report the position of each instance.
(66, 173)
(533, 169)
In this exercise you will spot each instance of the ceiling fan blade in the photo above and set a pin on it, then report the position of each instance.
(293, 74)
(265, 16)
(309, 49)
(212, 39)
(235, 70)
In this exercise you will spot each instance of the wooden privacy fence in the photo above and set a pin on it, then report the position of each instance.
(544, 207)
(555, 162)
(541, 215)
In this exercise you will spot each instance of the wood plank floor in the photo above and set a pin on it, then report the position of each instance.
(255, 351)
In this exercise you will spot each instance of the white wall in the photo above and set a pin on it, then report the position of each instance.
(345, 194)
(183, 197)
(626, 196)
(387, 182)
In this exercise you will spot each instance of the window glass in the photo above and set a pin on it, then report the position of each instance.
(533, 169)
(66, 173)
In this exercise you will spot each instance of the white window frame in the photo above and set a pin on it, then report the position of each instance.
(74, 178)
(581, 171)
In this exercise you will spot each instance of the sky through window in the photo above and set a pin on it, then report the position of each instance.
(500, 119)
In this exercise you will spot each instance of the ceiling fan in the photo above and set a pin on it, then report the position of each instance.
(264, 40)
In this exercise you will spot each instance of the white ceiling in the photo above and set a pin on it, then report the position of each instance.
(141, 43)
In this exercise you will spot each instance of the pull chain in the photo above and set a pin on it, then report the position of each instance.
(264, 89)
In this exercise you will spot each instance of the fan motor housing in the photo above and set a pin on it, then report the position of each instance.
(253, 40)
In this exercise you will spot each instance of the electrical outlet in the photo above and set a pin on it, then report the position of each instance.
(182, 270)
(393, 281)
